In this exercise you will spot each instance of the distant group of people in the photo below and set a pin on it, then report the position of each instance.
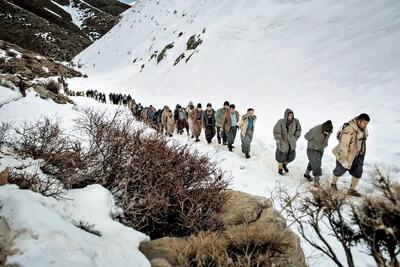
(223, 122)
(349, 153)
(226, 121)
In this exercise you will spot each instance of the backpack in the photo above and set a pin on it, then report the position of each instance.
(339, 133)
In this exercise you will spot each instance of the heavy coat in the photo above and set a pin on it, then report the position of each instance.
(243, 122)
(226, 120)
(287, 138)
(346, 151)
(170, 123)
(219, 117)
(209, 125)
(317, 139)
(197, 122)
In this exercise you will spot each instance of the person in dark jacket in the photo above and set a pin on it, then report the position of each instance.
(286, 133)
(317, 138)
(230, 125)
(209, 123)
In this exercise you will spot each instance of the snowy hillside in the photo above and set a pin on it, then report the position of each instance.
(324, 59)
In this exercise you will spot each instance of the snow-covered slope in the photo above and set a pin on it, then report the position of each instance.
(325, 59)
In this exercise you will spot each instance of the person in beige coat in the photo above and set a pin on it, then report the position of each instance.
(246, 126)
(350, 152)
(163, 119)
(169, 123)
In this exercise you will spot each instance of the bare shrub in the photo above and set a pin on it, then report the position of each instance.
(373, 221)
(86, 226)
(378, 220)
(164, 188)
(246, 245)
(4, 131)
(47, 186)
(45, 140)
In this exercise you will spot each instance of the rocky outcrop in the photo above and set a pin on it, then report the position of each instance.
(242, 213)
(45, 26)
(31, 65)
(5, 241)
(46, 94)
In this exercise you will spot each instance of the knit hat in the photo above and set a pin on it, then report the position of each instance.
(198, 105)
(327, 127)
(209, 105)
(226, 103)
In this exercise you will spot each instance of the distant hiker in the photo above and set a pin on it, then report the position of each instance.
(229, 125)
(246, 125)
(22, 86)
(170, 123)
(180, 118)
(209, 123)
(164, 119)
(190, 116)
(317, 138)
(197, 122)
(286, 133)
(219, 116)
(350, 152)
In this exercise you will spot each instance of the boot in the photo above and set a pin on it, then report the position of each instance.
(353, 193)
(230, 148)
(334, 188)
(280, 169)
(284, 166)
(316, 181)
(307, 175)
(247, 155)
(197, 140)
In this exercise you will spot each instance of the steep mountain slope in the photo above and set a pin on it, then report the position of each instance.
(324, 59)
(60, 28)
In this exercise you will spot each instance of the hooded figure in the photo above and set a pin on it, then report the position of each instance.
(317, 139)
(286, 133)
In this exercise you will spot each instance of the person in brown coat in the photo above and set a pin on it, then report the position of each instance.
(350, 152)
(164, 119)
(230, 125)
(197, 116)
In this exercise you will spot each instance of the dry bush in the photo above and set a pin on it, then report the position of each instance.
(86, 226)
(246, 245)
(164, 189)
(45, 140)
(378, 220)
(47, 186)
(372, 221)
(4, 130)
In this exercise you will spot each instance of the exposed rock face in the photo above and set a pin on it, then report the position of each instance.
(46, 94)
(60, 28)
(31, 65)
(242, 210)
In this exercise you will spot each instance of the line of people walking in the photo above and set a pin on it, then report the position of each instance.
(226, 121)
(349, 153)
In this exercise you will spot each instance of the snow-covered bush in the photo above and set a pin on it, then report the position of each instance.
(47, 186)
(4, 130)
